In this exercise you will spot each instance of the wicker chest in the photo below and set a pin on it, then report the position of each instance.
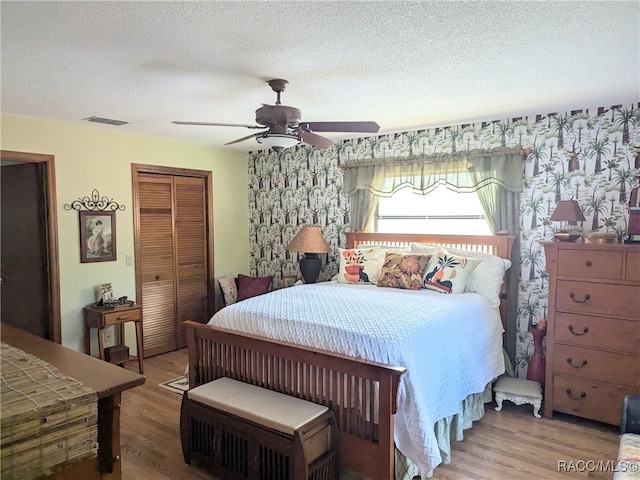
(48, 420)
(249, 433)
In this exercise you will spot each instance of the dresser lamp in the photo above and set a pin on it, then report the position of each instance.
(567, 211)
(310, 241)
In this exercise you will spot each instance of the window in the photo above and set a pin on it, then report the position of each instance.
(440, 211)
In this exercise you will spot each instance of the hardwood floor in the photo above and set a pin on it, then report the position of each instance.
(506, 445)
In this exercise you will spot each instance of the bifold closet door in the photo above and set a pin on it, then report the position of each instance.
(157, 264)
(174, 245)
(191, 252)
(173, 257)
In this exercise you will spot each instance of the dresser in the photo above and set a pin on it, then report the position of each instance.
(593, 329)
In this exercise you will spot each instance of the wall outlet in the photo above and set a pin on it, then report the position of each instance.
(108, 337)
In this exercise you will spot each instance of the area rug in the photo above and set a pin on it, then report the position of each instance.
(177, 385)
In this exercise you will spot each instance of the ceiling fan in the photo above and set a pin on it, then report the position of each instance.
(284, 127)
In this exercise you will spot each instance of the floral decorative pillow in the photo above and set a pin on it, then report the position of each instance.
(403, 270)
(229, 290)
(448, 273)
(358, 265)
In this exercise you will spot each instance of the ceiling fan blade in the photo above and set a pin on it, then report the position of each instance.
(316, 140)
(253, 135)
(214, 124)
(366, 127)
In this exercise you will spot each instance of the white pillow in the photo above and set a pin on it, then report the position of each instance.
(425, 248)
(358, 265)
(448, 273)
(486, 279)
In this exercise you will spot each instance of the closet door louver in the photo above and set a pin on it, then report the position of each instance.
(191, 252)
(156, 254)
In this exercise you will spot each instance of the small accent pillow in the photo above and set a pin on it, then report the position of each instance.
(448, 273)
(358, 265)
(252, 286)
(425, 248)
(487, 278)
(229, 290)
(403, 270)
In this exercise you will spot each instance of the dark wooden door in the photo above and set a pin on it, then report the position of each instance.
(25, 278)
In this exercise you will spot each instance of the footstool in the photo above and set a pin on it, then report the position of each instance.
(518, 391)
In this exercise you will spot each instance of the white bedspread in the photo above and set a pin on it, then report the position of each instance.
(451, 345)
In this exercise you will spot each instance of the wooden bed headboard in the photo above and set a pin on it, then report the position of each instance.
(499, 245)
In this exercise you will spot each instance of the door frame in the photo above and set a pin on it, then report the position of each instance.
(51, 232)
(207, 175)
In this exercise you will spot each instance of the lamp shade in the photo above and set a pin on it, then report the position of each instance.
(309, 240)
(567, 211)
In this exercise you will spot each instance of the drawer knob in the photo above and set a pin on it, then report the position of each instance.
(584, 330)
(123, 317)
(570, 362)
(588, 263)
(573, 297)
(570, 393)
(157, 277)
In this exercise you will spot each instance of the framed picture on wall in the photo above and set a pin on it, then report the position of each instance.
(97, 236)
(289, 280)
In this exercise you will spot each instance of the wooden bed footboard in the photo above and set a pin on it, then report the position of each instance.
(362, 394)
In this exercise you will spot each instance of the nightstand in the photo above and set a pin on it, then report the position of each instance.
(101, 317)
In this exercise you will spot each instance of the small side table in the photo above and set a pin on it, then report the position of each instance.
(101, 317)
(518, 391)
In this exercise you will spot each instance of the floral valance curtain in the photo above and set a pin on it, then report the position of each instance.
(468, 172)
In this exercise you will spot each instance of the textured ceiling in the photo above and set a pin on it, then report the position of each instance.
(405, 65)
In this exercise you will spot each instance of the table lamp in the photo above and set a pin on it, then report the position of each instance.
(310, 241)
(567, 211)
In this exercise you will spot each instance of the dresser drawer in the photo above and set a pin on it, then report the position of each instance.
(587, 264)
(632, 270)
(598, 299)
(598, 365)
(601, 332)
(121, 316)
(594, 400)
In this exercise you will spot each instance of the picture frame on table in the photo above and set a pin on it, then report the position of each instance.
(289, 280)
(104, 293)
(97, 236)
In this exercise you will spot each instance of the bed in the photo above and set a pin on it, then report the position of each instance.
(390, 383)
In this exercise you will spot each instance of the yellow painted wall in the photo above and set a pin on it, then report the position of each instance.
(100, 157)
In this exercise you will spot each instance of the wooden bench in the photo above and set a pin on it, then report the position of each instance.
(247, 432)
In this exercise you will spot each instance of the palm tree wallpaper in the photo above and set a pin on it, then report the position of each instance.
(590, 155)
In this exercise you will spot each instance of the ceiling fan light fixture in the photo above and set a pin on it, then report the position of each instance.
(278, 141)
